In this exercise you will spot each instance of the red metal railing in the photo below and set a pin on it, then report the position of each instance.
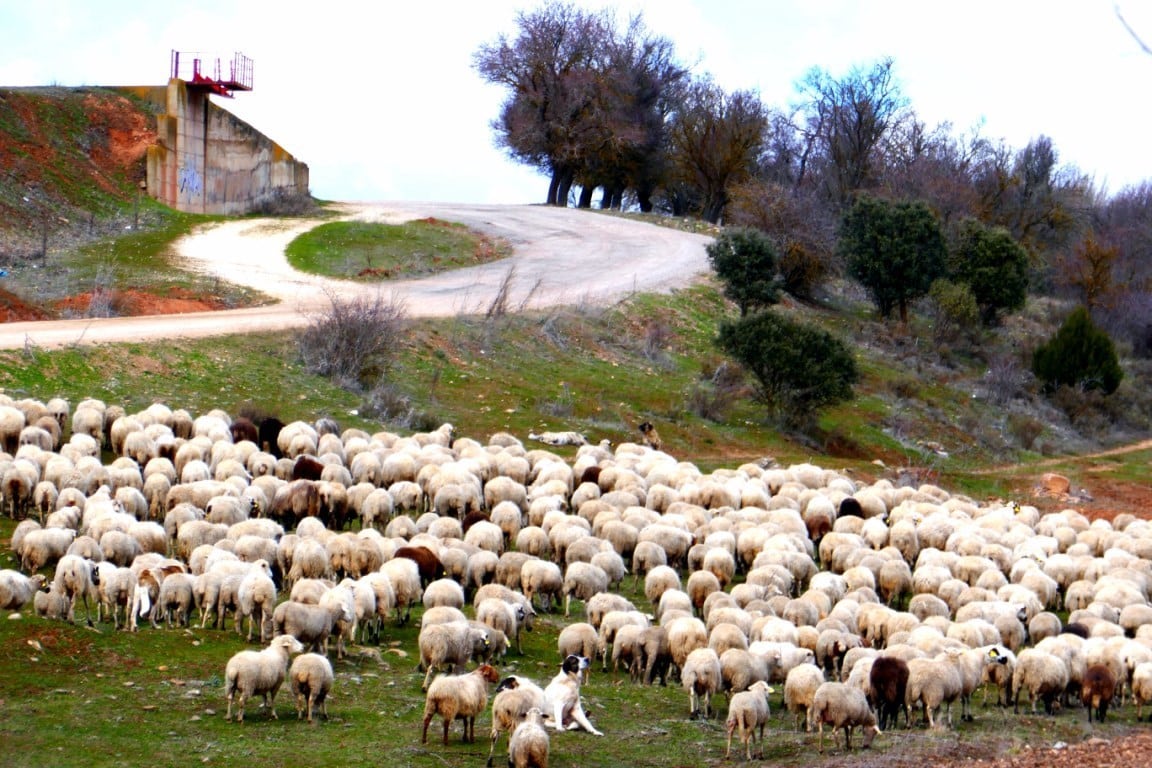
(199, 69)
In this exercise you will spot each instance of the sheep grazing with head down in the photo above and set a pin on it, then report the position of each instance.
(1044, 675)
(450, 645)
(252, 673)
(843, 706)
(458, 696)
(311, 678)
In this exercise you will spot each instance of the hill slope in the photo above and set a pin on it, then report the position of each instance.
(72, 160)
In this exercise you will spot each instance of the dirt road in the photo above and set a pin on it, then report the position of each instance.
(560, 256)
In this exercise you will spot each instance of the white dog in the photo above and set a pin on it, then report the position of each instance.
(563, 697)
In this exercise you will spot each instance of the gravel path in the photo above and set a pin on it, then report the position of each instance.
(560, 256)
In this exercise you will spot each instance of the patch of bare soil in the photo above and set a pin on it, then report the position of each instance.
(14, 309)
(131, 302)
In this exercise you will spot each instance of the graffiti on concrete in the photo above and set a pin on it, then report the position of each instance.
(190, 181)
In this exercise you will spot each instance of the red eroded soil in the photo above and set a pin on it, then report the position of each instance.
(132, 302)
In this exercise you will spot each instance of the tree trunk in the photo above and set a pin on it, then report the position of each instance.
(585, 196)
(553, 188)
(563, 190)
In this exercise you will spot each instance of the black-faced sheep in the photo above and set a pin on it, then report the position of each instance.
(843, 706)
(251, 673)
(748, 713)
(311, 678)
(458, 696)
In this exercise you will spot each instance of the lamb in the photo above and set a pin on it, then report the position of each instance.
(843, 706)
(251, 673)
(1044, 675)
(747, 712)
(311, 678)
(528, 746)
(800, 691)
(701, 677)
(1097, 690)
(17, 590)
(458, 696)
(450, 645)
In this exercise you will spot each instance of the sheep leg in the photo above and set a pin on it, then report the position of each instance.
(820, 724)
(731, 728)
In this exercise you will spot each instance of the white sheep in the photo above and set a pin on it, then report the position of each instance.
(800, 688)
(1043, 675)
(582, 581)
(701, 677)
(933, 683)
(251, 673)
(17, 590)
(515, 697)
(843, 706)
(450, 645)
(255, 600)
(75, 579)
(748, 712)
(528, 746)
(458, 696)
(310, 624)
(311, 678)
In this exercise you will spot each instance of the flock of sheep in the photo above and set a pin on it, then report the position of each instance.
(865, 602)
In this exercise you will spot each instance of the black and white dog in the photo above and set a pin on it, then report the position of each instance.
(563, 697)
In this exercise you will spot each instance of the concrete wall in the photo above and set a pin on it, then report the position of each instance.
(207, 160)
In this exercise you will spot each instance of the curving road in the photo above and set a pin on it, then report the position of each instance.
(560, 256)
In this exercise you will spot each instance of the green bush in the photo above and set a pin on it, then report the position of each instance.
(1079, 355)
(954, 310)
(798, 368)
(745, 261)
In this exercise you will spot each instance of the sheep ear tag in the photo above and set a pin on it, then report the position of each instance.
(993, 653)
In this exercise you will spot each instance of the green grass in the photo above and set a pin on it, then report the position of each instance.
(356, 250)
(156, 698)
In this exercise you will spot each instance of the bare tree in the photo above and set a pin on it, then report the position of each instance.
(715, 138)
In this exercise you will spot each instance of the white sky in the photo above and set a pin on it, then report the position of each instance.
(379, 98)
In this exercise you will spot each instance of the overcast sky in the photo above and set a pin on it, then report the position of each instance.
(381, 101)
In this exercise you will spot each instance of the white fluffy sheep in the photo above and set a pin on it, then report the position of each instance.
(748, 713)
(800, 688)
(933, 683)
(843, 706)
(251, 673)
(458, 696)
(528, 746)
(701, 677)
(311, 678)
(17, 590)
(1043, 675)
(449, 645)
